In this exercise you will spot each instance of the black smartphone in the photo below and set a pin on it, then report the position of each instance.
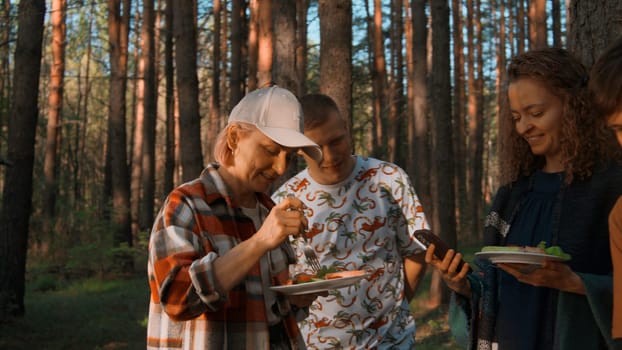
(426, 237)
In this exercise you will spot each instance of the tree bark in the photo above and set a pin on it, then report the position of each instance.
(5, 81)
(379, 82)
(410, 91)
(253, 44)
(557, 27)
(284, 45)
(213, 125)
(185, 33)
(238, 36)
(520, 24)
(444, 221)
(55, 105)
(422, 131)
(17, 191)
(336, 53)
(302, 7)
(537, 24)
(459, 99)
(118, 28)
(169, 161)
(264, 44)
(149, 120)
(593, 25)
(476, 204)
(396, 86)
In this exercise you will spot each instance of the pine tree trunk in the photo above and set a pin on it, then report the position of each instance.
(17, 191)
(169, 153)
(422, 129)
(537, 24)
(149, 120)
(55, 105)
(336, 53)
(265, 44)
(593, 25)
(443, 196)
(185, 33)
(118, 27)
(238, 20)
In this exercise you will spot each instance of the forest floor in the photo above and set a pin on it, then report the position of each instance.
(112, 314)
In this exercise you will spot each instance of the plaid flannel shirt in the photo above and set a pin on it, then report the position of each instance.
(197, 223)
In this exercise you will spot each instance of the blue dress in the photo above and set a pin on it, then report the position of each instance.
(521, 323)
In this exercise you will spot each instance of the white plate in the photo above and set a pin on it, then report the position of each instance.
(319, 286)
(530, 258)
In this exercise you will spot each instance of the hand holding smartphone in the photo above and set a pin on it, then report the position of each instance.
(426, 237)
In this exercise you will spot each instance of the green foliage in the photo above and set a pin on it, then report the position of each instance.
(45, 282)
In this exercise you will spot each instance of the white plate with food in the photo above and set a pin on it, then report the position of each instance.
(335, 280)
(521, 255)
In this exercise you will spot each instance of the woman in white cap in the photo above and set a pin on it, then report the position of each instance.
(219, 242)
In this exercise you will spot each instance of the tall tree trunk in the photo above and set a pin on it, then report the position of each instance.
(85, 89)
(214, 100)
(55, 105)
(284, 71)
(185, 33)
(238, 18)
(379, 82)
(137, 141)
(410, 91)
(478, 132)
(118, 29)
(253, 45)
(284, 45)
(396, 88)
(458, 114)
(302, 7)
(537, 24)
(5, 32)
(471, 114)
(422, 130)
(511, 25)
(557, 26)
(444, 221)
(17, 191)
(264, 44)
(151, 111)
(520, 24)
(169, 153)
(500, 91)
(336, 53)
(593, 25)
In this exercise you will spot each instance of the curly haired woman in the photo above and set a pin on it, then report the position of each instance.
(562, 178)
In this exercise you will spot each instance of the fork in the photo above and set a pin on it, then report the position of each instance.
(307, 249)
(309, 253)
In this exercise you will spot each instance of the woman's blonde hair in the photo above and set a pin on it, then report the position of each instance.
(222, 150)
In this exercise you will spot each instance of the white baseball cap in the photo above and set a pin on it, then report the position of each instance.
(277, 113)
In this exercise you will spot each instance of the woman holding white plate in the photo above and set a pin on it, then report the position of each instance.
(561, 181)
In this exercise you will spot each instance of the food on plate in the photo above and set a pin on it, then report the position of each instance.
(325, 273)
(540, 248)
(343, 274)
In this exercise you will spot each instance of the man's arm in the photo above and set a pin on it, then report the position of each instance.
(414, 270)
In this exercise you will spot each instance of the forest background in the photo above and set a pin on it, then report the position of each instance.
(105, 106)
